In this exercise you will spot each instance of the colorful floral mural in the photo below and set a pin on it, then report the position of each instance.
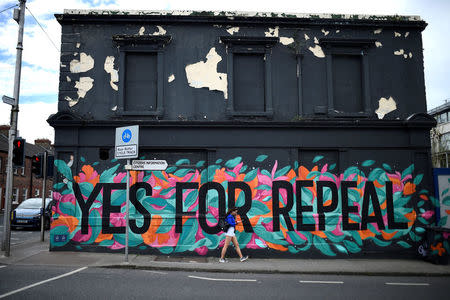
(316, 210)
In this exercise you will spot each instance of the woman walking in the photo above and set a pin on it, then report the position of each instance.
(231, 237)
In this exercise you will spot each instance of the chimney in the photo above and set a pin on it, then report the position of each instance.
(4, 129)
(45, 143)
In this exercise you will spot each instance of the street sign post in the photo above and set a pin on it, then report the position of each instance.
(8, 100)
(149, 165)
(126, 147)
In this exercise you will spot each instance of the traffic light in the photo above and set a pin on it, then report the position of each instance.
(18, 152)
(36, 165)
(50, 164)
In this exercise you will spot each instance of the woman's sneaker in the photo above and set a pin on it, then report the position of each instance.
(223, 260)
(244, 258)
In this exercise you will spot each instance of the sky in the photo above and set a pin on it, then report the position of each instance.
(40, 67)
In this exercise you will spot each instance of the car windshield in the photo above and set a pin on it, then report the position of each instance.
(33, 203)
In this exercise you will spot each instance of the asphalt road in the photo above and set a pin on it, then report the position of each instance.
(45, 282)
(19, 235)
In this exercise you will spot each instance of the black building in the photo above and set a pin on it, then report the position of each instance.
(315, 126)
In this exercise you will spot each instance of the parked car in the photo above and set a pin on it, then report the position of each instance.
(28, 213)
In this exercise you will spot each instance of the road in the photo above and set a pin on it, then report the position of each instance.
(52, 282)
(19, 235)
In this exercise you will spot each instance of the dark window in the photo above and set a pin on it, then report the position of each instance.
(142, 68)
(141, 82)
(348, 76)
(347, 83)
(249, 69)
(248, 82)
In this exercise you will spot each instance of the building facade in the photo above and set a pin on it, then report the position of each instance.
(25, 184)
(314, 126)
(440, 136)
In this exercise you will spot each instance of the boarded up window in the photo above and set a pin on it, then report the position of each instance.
(320, 158)
(141, 81)
(248, 76)
(347, 83)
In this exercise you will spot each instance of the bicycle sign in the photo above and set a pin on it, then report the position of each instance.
(127, 142)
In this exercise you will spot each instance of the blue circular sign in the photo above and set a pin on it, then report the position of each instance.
(126, 135)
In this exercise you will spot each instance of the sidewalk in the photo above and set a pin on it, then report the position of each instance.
(37, 253)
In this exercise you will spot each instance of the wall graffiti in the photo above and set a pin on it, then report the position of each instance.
(289, 209)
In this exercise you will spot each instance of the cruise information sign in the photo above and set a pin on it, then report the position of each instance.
(127, 142)
(149, 165)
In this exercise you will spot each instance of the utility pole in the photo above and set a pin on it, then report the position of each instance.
(44, 193)
(13, 130)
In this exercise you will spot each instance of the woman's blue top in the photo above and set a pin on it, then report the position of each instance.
(230, 220)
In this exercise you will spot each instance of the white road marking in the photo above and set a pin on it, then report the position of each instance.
(42, 282)
(2, 267)
(407, 283)
(323, 282)
(223, 279)
(156, 272)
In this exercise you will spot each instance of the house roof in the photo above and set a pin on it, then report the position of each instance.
(30, 149)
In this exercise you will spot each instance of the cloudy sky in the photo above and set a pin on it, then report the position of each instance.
(39, 84)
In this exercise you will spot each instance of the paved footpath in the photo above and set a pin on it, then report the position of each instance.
(37, 253)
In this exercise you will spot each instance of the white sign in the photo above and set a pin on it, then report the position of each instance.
(8, 100)
(127, 142)
(150, 165)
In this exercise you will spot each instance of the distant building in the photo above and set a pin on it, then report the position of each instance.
(440, 136)
(25, 184)
(315, 126)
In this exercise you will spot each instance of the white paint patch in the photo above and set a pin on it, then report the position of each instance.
(399, 52)
(233, 30)
(408, 283)
(62, 65)
(109, 68)
(316, 41)
(385, 106)
(68, 79)
(406, 34)
(397, 34)
(141, 30)
(286, 41)
(378, 31)
(405, 55)
(85, 63)
(325, 32)
(306, 37)
(204, 74)
(83, 86)
(410, 55)
(321, 281)
(114, 108)
(317, 51)
(378, 44)
(156, 272)
(78, 45)
(71, 101)
(160, 31)
(273, 32)
(42, 282)
(171, 78)
(337, 31)
(223, 279)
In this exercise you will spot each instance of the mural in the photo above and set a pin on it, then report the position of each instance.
(289, 209)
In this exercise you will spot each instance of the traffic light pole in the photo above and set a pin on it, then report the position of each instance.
(44, 192)
(13, 134)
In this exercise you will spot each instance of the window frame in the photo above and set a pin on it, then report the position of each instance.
(15, 196)
(250, 45)
(357, 47)
(141, 44)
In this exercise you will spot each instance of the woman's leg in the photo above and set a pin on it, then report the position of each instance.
(236, 246)
(225, 246)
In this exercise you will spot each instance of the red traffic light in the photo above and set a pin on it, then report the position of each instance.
(18, 152)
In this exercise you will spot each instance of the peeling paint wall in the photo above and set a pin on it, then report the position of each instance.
(85, 64)
(114, 74)
(385, 106)
(233, 30)
(204, 74)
